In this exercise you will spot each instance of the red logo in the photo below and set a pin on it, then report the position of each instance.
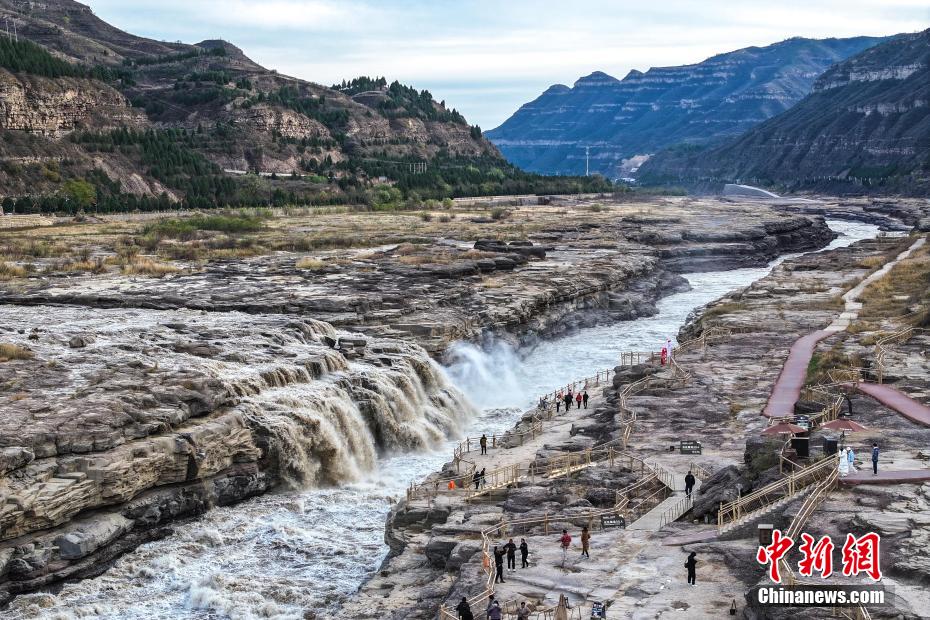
(773, 553)
(860, 555)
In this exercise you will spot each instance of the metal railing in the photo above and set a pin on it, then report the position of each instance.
(816, 497)
(733, 512)
(627, 502)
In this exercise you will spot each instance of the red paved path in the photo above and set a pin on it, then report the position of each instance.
(787, 388)
(897, 400)
(886, 477)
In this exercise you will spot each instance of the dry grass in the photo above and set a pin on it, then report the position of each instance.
(13, 352)
(8, 271)
(310, 264)
(907, 285)
(147, 267)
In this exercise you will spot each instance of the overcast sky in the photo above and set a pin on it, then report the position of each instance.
(488, 57)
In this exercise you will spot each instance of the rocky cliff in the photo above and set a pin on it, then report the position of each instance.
(865, 127)
(55, 107)
(644, 112)
(123, 422)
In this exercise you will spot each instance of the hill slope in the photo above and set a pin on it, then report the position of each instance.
(865, 125)
(644, 112)
(147, 123)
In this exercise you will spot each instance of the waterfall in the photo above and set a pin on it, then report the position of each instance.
(492, 375)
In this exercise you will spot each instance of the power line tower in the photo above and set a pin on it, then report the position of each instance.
(587, 160)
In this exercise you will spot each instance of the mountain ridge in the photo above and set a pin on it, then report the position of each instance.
(865, 126)
(646, 111)
(211, 106)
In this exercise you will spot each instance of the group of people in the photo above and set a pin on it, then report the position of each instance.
(493, 611)
(847, 460)
(478, 478)
(566, 398)
(510, 552)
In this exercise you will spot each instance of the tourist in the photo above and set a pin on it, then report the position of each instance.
(464, 610)
(558, 402)
(689, 483)
(476, 478)
(668, 347)
(484, 444)
(511, 549)
(844, 463)
(523, 613)
(691, 564)
(494, 611)
(498, 565)
(484, 481)
(452, 485)
(578, 399)
(585, 541)
(568, 401)
(524, 552)
(566, 542)
(851, 457)
(874, 459)
(585, 398)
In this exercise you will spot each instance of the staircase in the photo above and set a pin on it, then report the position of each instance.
(773, 496)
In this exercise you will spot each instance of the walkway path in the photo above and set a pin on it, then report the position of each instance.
(899, 401)
(899, 476)
(654, 519)
(787, 389)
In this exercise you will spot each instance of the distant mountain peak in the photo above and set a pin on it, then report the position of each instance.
(597, 78)
(556, 89)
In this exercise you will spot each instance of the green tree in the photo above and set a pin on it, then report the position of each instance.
(80, 193)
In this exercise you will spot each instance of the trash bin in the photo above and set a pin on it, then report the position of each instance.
(830, 445)
(801, 446)
(765, 534)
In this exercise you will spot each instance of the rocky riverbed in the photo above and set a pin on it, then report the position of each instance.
(140, 401)
(436, 557)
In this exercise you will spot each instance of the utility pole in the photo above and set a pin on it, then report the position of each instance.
(587, 160)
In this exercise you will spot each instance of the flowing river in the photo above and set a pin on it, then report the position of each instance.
(282, 554)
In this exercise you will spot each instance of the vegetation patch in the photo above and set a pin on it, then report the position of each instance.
(14, 352)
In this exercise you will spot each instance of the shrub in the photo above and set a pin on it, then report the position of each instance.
(13, 352)
(499, 213)
(311, 264)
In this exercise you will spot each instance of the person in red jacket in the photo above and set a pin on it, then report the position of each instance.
(578, 398)
(565, 541)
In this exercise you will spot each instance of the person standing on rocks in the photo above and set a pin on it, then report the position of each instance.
(565, 541)
(689, 484)
(524, 552)
(585, 541)
(464, 610)
(578, 399)
(568, 401)
(585, 398)
(482, 479)
(511, 549)
(691, 565)
(523, 613)
(851, 457)
(476, 478)
(874, 459)
(498, 565)
(484, 444)
(558, 402)
(494, 611)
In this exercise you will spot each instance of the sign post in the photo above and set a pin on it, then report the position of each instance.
(613, 521)
(689, 446)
